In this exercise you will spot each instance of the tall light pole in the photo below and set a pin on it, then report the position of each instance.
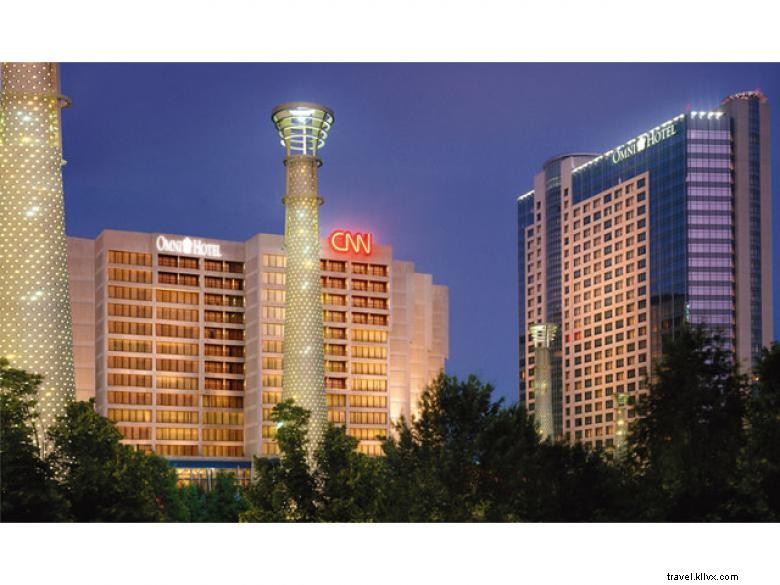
(35, 313)
(303, 128)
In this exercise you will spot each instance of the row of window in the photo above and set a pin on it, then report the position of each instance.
(224, 283)
(129, 275)
(235, 351)
(168, 399)
(205, 451)
(224, 300)
(327, 265)
(129, 363)
(141, 259)
(367, 434)
(224, 317)
(190, 263)
(129, 293)
(363, 335)
(370, 368)
(135, 311)
(341, 284)
(178, 279)
(223, 266)
(224, 368)
(179, 297)
(360, 384)
(133, 258)
(178, 262)
(225, 334)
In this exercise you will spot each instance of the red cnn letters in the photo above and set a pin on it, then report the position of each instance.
(345, 241)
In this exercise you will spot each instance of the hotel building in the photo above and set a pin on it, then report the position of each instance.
(618, 250)
(181, 340)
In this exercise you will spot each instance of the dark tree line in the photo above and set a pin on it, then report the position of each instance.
(705, 448)
(88, 475)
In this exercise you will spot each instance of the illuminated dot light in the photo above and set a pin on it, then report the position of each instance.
(35, 316)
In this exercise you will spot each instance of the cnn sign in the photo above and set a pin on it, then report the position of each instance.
(347, 242)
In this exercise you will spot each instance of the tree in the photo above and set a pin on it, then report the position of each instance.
(435, 465)
(106, 481)
(349, 483)
(760, 465)
(225, 501)
(687, 443)
(338, 485)
(194, 500)
(468, 458)
(284, 489)
(28, 490)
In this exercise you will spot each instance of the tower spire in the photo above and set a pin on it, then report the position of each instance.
(303, 128)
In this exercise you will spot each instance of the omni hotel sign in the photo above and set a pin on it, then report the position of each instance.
(642, 142)
(188, 246)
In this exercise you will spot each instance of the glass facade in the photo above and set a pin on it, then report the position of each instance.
(552, 242)
(525, 218)
(676, 221)
(666, 163)
(691, 237)
(203, 473)
(754, 145)
(710, 208)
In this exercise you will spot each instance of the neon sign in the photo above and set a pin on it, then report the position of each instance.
(345, 241)
(189, 247)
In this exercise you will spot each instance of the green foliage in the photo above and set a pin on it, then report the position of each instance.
(224, 502)
(470, 459)
(284, 488)
(28, 490)
(90, 476)
(436, 467)
(106, 481)
(350, 483)
(759, 470)
(687, 444)
(338, 485)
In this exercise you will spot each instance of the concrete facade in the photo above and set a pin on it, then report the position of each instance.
(188, 337)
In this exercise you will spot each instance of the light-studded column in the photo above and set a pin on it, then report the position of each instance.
(304, 358)
(35, 313)
(303, 128)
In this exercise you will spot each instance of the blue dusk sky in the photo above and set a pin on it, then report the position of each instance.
(428, 157)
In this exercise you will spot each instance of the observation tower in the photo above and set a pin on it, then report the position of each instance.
(303, 128)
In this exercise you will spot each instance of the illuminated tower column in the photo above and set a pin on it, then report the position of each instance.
(542, 336)
(621, 423)
(303, 128)
(35, 319)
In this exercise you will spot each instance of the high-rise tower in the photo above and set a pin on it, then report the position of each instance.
(303, 128)
(35, 317)
(620, 250)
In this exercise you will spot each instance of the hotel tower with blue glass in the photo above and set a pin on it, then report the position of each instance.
(619, 249)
